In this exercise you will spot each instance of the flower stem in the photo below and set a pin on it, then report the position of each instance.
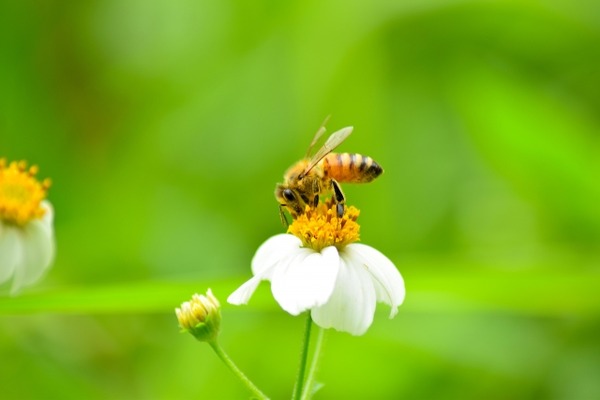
(303, 358)
(234, 368)
(310, 380)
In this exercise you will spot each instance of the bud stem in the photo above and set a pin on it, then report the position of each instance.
(234, 368)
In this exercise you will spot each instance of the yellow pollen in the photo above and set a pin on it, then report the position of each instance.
(21, 193)
(319, 227)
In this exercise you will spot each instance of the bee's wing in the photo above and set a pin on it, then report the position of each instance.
(332, 142)
(317, 136)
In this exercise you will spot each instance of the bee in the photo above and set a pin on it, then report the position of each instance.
(321, 174)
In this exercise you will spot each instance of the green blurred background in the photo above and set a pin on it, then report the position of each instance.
(166, 124)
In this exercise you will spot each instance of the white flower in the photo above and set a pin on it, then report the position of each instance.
(26, 226)
(339, 283)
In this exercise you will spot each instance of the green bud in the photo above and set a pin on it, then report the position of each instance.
(201, 316)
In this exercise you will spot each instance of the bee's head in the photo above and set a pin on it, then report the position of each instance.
(289, 198)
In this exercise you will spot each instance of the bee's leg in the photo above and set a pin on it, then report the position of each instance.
(316, 189)
(338, 197)
(282, 216)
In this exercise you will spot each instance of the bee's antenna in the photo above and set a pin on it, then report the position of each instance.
(282, 216)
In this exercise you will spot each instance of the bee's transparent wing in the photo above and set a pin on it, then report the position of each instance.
(317, 136)
(332, 142)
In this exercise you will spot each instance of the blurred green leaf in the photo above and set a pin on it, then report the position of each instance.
(550, 294)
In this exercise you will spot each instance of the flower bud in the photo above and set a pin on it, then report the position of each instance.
(201, 316)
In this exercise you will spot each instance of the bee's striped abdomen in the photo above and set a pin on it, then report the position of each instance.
(351, 168)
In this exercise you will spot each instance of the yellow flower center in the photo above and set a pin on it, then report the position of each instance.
(320, 227)
(21, 193)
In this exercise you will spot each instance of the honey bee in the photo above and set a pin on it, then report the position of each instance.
(321, 174)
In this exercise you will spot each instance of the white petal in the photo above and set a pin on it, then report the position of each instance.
(37, 239)
(273, 251)
(305, 280)
(48, 217)
(244, 292)
(10, 251)
(387, 280)
(352, 303)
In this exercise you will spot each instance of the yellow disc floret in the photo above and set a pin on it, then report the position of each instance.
(319, 227)
(21, 193)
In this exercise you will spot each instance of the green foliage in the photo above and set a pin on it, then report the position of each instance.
(165, 126)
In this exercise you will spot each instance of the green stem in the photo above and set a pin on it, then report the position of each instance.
(303, 358)
(234, 368)
(313, 366)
